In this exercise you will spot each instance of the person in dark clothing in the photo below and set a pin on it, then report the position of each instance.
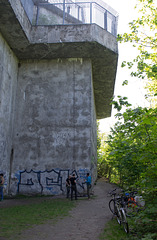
(73, 186)
(68, 186)
(1, 186)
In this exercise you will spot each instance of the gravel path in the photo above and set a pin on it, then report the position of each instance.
(85, 222)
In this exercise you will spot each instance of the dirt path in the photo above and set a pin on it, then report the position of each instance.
(85, 222)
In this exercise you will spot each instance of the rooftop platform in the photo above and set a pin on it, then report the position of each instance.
(83, 40)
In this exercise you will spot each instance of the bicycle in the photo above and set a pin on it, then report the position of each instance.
(132, 206)
(125, 205)
(117, 206)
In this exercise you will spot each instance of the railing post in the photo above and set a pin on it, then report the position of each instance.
(91, 13)
(115, 26)
(105, 20)
(37, 15)
(63, 12)
(78, 13)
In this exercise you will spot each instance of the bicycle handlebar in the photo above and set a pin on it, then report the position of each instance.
(111, 192)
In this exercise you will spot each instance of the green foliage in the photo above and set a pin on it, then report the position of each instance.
(98, 137)
(143, 35)
(122, 101)
(130, 155)
(138, 231)
(131, 149)
(103, 167)
(128, 158)
(15, 219)
(144, 224)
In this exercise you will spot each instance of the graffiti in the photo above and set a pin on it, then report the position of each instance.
(48, 182)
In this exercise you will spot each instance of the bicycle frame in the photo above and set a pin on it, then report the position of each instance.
(119, 209)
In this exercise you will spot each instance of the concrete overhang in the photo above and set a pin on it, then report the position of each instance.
(64, 41)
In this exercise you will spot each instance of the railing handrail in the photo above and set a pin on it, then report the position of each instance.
(85, 12)
(78, 3)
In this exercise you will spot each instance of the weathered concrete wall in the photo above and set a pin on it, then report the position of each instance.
(50, 100)
(60, 41)
(46, 17)
(51, 15)
(93, 136)
(55, 112)
(8, 82)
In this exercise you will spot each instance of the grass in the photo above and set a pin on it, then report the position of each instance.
(140, 228)
(113, 231)
(15, 219)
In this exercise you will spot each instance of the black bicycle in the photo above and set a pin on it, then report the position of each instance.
(117, 206)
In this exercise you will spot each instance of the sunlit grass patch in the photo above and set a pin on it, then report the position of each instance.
(15, 219)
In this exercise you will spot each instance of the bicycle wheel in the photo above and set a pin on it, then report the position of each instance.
(118, 214)
(112, 206)
(124, 221)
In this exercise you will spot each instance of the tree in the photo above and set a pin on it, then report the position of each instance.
(103, 166)
(143, 35)
(132, 147)
(131, 156)
(131, 152)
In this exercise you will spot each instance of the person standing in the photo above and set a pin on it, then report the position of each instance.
(68, 186)
(73, 186)
(88, 182)
(1, 186)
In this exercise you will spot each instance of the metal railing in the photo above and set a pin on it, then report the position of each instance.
(61, 12)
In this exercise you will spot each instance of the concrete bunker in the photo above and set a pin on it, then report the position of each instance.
(56, 80)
